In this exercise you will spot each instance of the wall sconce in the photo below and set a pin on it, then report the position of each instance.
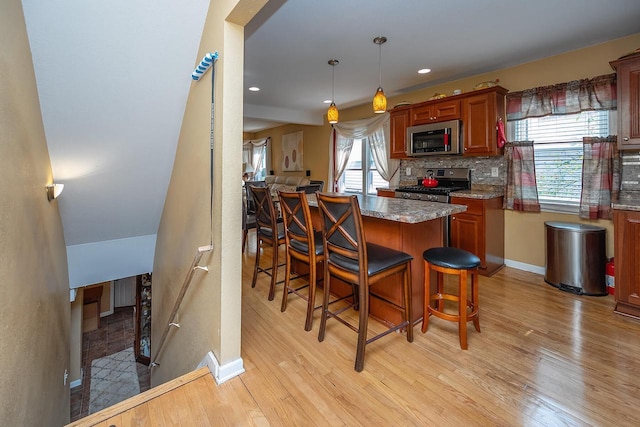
(54, 190)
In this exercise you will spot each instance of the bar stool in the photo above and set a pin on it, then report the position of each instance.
(303, 244)
(456, 262)
(349, 257)
(269, 233)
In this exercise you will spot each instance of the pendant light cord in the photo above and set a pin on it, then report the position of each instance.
(333, 72)
(379, 64)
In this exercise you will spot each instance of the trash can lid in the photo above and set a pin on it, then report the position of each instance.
(574, 226)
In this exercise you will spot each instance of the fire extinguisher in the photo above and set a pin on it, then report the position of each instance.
(610, 277)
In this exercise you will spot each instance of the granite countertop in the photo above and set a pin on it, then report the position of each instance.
(622, 207)
(401, 210)
(477, 194)
(627, 201)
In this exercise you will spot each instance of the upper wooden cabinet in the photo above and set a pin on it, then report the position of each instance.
(628, 72)
(435, 112)
(480, 114)
(398, 123)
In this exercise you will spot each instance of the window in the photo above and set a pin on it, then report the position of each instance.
(255, 158)
(558, 153)
(358, 175)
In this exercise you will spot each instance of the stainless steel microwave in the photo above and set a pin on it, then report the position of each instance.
(434, 139)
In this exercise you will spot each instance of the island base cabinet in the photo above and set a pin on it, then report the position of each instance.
(480, 230)
(412, 238)
(627, 253)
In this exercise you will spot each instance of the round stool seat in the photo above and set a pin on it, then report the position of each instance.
(451, 258)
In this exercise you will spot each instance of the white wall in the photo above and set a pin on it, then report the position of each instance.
(110, 260)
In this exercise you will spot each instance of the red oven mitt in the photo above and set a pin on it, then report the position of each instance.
(502, 139)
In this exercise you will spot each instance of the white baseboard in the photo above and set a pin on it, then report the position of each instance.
(222, 373)
(526, 267)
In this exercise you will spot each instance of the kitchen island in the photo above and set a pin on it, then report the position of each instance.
(411, 226)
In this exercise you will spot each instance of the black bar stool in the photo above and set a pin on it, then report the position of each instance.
(350, 258)
(456, 262)
(270, 233)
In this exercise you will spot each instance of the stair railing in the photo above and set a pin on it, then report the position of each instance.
(176, 306)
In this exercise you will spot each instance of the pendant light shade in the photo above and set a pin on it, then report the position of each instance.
(379, 100)
(332, 112)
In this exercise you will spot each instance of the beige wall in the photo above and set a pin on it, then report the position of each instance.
(210, 314)
(524, 234)
(34, 284)
(315, 155)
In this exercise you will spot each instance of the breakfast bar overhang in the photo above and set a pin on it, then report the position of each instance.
(411, 226)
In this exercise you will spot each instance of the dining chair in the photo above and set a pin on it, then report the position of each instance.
(269, 233)
(251, 209)
(248, 223)
(303, 244)
(309, 188)
(350, 258)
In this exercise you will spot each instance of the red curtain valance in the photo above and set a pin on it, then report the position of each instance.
(598, 93)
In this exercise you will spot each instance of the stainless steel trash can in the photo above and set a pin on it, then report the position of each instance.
(576, 257)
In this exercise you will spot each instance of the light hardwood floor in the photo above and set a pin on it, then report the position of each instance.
(544, 358)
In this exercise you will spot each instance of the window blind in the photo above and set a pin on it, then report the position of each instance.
(558, 151)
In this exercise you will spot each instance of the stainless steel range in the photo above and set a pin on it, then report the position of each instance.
(449, 180)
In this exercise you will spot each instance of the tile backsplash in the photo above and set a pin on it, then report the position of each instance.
(481, 168)
(630, 171)
(630, 178)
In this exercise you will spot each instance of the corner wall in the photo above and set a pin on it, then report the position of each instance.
(210, 313)
(34, 282)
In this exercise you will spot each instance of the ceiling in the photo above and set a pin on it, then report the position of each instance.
(113, 77)
(287, 48)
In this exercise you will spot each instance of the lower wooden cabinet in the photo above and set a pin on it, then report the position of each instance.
(386, 193)
(480, 230)
(626, 226)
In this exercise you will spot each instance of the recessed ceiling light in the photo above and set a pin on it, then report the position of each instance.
(327, 101)
(424, 71)
(254, 89)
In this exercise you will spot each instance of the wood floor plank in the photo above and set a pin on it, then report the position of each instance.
(544, 358)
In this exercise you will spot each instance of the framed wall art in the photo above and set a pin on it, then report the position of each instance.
(292, 151)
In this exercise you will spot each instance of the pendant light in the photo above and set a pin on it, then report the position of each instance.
(379, 100)
(332, 112)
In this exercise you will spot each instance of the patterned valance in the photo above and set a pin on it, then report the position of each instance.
(598, 93)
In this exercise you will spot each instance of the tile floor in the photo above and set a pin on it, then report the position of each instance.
(115, 334)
